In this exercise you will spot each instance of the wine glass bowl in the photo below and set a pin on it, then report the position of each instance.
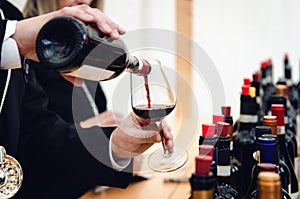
(153, 99)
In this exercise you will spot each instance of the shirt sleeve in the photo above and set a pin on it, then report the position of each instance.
(10, 53)
(119, 164)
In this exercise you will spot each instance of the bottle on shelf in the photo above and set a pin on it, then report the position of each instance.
(224, 189)
(278, 111)
(269, 187)
(81, 50)
(202, 181)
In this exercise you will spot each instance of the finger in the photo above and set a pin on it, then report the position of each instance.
(145, 137)
(170, 146)
(81, 12)
(167, 133)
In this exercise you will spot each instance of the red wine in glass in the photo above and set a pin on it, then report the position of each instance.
(154, 112)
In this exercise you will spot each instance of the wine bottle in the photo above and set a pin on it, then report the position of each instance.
(267, 86)
(224, 189)
(255, 171)
(269, 187)
(226, 111)
(244, 139)
(290, 137)
(287, 70)
(290, 112)
(292, 88)
(235, 167)
(202, 181)
(268, 153)
(81, 50)
(257, 85)
(209, 137)
(278, 111)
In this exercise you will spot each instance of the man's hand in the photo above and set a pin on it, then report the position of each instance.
(131, 138)
(28, 29)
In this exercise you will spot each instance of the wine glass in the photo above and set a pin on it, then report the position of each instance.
(152, 99)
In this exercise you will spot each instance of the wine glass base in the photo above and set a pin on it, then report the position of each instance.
(160, 162)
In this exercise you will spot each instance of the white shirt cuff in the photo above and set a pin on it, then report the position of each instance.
(10, 57)
(119, 164)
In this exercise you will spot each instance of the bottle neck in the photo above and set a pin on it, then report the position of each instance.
(223, 160)
(202, 186)
(137, 65)
(282, 147)
(269, 155)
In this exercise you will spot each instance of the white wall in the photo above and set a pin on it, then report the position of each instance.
(236, 34)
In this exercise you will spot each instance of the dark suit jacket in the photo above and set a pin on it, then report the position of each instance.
(55, 161)
(64, 97)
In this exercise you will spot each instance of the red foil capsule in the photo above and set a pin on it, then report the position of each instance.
(278, 111)
(206, 149)
(203, 163)
(223, 129)
(208, 130)
(226, 110)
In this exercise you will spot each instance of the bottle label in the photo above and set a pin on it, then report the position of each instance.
(295, 195)
(248, 118)
(286, 120)
(223, 170)
(280, 130)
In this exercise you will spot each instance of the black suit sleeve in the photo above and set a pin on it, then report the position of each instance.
(53, 149)
(2, 32)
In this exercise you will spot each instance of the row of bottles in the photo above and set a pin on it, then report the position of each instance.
(256, 156)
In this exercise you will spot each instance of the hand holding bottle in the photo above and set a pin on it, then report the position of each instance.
(131, 138)
(26, 33)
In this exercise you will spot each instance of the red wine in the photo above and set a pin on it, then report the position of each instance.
(156, 111)
(147, 91)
